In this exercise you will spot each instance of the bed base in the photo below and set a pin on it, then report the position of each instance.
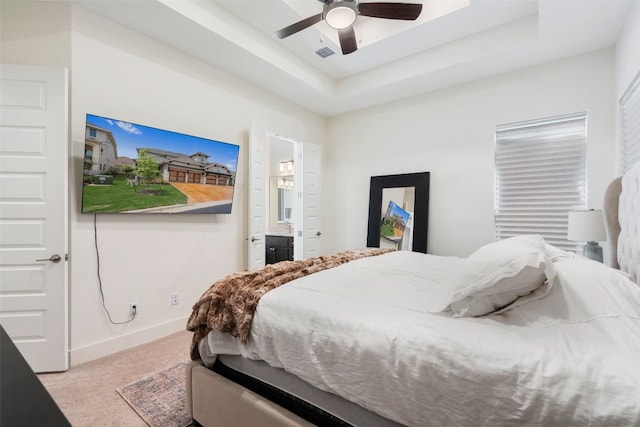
(214, 401)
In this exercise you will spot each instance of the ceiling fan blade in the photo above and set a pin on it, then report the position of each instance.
(298, 26)
(348, 40)
(388, 10)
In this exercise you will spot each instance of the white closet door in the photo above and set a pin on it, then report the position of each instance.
(257, 197)
(310, 222)
(34, 213)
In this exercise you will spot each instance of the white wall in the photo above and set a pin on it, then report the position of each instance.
(627, 48)
(450, 133)
(35, 33)
(118, 73)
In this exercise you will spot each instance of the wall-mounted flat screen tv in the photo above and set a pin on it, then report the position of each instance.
(132, 168)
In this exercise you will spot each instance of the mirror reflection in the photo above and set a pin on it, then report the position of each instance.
(281, 170)
(397, 218)
(281, 199)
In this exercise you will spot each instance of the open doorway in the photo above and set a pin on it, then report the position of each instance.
(283, 203)
(291, 212)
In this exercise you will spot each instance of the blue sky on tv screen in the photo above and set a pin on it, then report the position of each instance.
(130, 136)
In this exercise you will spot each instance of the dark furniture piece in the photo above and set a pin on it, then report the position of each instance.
(278, 248)
(420, 181)
(23, 399)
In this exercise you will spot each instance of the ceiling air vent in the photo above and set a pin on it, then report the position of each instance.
(323, 52)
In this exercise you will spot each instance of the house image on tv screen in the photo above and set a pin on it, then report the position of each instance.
(138, 169)
(100, 150)
(194, 168)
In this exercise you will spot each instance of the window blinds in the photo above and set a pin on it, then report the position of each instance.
(630, 125)
(540, 174)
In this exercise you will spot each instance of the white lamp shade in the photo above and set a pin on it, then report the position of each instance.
(341, 14)
(586, 226)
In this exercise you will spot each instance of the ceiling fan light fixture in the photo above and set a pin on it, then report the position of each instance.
(341, 14)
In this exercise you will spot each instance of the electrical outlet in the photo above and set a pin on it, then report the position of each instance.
(175, 298)
(133, 309)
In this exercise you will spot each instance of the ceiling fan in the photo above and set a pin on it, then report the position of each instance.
(341, 14)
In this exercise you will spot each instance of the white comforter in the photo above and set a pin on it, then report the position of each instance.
(364, 331)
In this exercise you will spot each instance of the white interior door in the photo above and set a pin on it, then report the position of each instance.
(257, 196)
(310, 213)
(33, 213)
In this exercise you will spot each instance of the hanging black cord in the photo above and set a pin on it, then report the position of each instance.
(104, 305)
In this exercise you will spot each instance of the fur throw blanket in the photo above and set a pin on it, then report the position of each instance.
(228, 305)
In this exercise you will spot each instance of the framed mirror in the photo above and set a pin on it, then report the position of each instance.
(399, 211)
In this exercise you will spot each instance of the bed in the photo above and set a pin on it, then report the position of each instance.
(519, 332)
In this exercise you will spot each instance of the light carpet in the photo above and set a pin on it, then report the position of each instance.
(159, 398)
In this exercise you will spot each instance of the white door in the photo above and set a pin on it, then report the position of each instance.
(310, 213)
(33, 213)
(257, 196)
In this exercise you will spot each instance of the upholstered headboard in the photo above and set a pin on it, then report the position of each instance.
(622, 220)
(611, 223)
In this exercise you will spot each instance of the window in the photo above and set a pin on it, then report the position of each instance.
(88, 157)
(92, 132)
(540, 174)
(630, 125)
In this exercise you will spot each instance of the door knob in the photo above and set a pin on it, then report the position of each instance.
(253, 238)
(318, 234)
(52, 258)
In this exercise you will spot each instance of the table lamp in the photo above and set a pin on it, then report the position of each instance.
(588, 226)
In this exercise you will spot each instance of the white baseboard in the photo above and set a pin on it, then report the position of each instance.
(100, 349)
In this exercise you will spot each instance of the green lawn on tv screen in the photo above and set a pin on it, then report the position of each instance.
(122, 196)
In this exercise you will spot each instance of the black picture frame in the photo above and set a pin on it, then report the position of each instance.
(419, 180)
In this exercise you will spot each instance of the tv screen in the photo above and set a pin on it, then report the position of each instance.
(132, 168)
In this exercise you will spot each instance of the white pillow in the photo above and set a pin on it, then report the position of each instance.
(556, 254)
(502, 275)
